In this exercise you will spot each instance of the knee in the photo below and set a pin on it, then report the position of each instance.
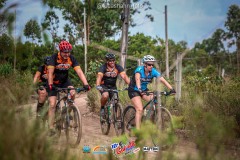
(104, 97)
(139, 110)
(52, 105)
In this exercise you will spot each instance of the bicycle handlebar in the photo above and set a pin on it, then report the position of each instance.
(155, 93)
(115, 90)
(68, 89)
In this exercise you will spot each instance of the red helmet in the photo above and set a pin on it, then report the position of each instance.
(65, 46)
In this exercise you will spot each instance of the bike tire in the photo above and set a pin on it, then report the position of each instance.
(73, 126)
(164, 125)
(129, 118)
(118, 119)
(104, 122)
(58, 119)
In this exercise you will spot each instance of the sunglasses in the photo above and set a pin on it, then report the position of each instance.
(150, 64)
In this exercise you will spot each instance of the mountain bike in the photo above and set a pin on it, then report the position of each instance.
(113, 114)
(68, 116)
(153, 111)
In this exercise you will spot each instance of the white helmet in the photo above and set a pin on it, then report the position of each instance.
(148, 58)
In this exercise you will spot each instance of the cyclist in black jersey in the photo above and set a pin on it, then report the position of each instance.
(107, 77)
(58, 68)
(40, 79)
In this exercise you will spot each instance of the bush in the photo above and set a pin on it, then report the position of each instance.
(5, 69)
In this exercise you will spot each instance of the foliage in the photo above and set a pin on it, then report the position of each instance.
(93, 100)
(101, 22)
(32, 30)
(21, 137)
(51, 23)
(6, 48)
(5, 69)
(92, 72)
(233, 24)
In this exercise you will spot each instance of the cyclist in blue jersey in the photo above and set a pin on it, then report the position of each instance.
(142, 76)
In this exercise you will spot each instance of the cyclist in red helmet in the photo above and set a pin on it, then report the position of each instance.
(58, 68)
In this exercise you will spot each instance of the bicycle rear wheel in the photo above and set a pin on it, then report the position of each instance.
(163, 121)
(104, 122)
(129, 118)
(73, 126)
(118, 117)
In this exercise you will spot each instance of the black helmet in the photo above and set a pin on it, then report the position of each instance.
(110, 56)
(46, 60)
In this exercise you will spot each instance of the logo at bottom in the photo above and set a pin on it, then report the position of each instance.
(86, 149)
(100, 150)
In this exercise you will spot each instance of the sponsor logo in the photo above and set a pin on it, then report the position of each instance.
(150, 149)
(86, 149)
(120, 149)
(100, 150)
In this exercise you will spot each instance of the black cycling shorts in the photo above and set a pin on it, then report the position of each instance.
(108, 87)
(53, 92)
(132, 93)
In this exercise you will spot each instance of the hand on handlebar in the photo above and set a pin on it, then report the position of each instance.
(87, 87)
(172, 92)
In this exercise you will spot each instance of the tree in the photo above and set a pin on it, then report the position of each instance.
(51, 23)
(101, 22)
(233, 26)
(32, 30)
(6, 46)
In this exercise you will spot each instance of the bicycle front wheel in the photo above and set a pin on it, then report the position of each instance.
(104, 122)
(118, 119)
(129, 118)
(73, 126)
(163, 121)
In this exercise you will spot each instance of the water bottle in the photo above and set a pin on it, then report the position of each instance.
(109, 109)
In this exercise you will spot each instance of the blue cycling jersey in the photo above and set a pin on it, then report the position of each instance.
(144, 79)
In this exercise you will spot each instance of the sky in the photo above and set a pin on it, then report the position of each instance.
(188, 20)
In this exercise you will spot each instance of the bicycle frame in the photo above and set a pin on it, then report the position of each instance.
(153, 104)
(112, 102)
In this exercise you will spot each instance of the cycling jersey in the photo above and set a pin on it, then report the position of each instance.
(61, 67)
(43, 76)
(144, 79)
(110, 74)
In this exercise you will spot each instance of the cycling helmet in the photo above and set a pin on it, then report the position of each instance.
(148, 58)
(110, 56)
(65, 46)
(46, 60)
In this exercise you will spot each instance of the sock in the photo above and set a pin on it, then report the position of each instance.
(102, 107)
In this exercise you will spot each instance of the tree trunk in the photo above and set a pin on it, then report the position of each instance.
(88, 22)
(238, 56)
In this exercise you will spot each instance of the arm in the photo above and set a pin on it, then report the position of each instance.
(80, 74)
(137, 78)
(165, 83)
(99, 78)
(36, 77)
(125, 77)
